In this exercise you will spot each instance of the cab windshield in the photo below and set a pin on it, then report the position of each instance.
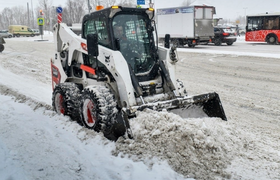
(133, 34)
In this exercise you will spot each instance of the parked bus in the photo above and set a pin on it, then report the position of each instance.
(263, 28)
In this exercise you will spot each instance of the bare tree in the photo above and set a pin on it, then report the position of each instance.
(108, 3)
(74, 11)
(19, 15)
(94, 3)
(47, 7)
(13, 16)
(187, 2)
(240, 20)
(128, 3)
(6, 18)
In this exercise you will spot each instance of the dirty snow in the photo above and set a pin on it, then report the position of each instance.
(36, 143)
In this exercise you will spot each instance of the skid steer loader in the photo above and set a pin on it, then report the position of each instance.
(114, 69)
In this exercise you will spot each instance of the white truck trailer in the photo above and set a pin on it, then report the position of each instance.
(189, 25)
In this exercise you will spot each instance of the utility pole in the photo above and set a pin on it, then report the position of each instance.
(28, 18)
(32, 15)
(245, 15)
(89, 7)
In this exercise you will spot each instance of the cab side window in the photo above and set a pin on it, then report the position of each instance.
(89, 28)
(98, 26)
(102, 32)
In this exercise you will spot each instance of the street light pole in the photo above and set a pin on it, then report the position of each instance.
(245, 15)
(89, 7)
(28, 18)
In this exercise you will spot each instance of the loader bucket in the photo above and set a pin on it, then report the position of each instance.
(209, 104)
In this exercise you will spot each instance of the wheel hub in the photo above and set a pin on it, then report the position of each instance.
(271, 39)
(59, 101)
(88, 113)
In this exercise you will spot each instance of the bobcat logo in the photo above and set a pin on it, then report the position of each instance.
(107, 58)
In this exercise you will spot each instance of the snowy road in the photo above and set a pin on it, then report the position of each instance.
(256, 49)
(240, 46)
(247, 146)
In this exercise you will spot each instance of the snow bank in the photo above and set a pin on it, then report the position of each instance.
(198, 148)
(38, 144)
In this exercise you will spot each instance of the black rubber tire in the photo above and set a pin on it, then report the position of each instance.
(2, 47)
(229, 43)
(65, 100)
(181, 43)
(191, 45)
(115, 130)
(271, 39)
(98, 110)
(217, 41)
(17, 35)
(175, 42)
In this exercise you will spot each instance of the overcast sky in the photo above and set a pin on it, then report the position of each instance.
(226, 9)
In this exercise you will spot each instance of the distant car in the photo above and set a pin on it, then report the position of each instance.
(36, 32)
(5, 34)
(224, 35)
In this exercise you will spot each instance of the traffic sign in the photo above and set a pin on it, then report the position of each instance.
(59, 9)
(40, 21)
(141, 2)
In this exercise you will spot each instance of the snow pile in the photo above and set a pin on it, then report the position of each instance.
(36, 143)
(197, 148)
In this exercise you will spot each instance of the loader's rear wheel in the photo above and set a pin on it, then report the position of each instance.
(65, 100)
(59, 103)
(99, 111)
